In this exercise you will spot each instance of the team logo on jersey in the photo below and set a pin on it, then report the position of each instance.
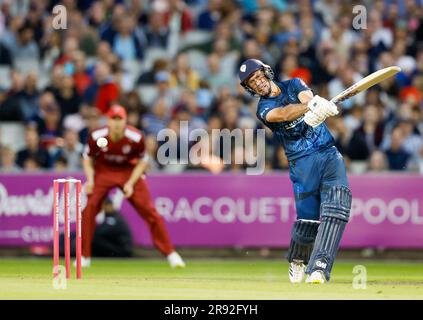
(293, 124)
(243, 68)
(126, 149)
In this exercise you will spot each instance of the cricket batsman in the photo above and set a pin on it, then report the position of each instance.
(121, 162)
(317, 169)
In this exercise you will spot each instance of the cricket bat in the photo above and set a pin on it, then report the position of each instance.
(365, 83)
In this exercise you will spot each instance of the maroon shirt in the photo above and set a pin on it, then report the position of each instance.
(118, 154)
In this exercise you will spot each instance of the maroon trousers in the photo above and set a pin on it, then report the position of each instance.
(106, 180)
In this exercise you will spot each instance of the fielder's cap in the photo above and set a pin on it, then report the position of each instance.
(116, 111)
(162, 76)
(248, 67)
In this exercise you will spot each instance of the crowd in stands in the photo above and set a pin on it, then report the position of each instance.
(168, 61)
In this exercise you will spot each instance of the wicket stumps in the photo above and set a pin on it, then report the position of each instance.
(56, 212)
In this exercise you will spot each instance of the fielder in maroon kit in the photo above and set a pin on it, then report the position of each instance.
(120, 164)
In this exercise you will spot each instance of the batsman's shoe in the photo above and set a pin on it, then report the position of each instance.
(175, 260)
(316, 277)
(296, 271)
(85, 262)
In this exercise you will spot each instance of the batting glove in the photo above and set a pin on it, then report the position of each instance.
(317, 106)
(312, 119)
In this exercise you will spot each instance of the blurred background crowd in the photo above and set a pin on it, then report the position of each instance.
(168, 61)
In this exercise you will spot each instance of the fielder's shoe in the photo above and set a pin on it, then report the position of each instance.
(296, 271)
(316, 277)
(175, 260)
(85, 262)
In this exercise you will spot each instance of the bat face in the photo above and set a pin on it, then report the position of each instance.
(365, 83)
(347, 95)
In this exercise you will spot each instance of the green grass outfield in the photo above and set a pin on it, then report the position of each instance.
(30, 278)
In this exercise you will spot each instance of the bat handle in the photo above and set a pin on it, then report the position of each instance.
(336, 101)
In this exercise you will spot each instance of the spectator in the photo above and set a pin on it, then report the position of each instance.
(352, 118)
(377, 162)
(9, 33)
(10, 102)
(326, 67)
(183, 75)
(346, 77)
(104, 92)
(223, 31)
(7, 162)
(340, 37)
(290, 69)
(204, 97)
(164, 91)
(50, 46)
(97, 15)
(70, 150)
(125, 43)
(91, 119)
(368, 136)
(250, 50)
(23, 45)
(133, 103)
(60, 164)
(29, 97)
(155, 121)
(188, 104)
(340, 133)
(70, 46)
(67, 97)
(81, 77)
(215, 77)
(148, 77)
(177, 16)
(412, 138)
(230, 117)
(87, 37)
(5, 57)
(57, 75)
(156, 33)
(208, 19)
(397, 156)
(287, 29)
(134, 119)
(104, 50)
(33, 155)
(407, 118)
(31, 164)
(109, 30)
(34, 19)
(49, 125)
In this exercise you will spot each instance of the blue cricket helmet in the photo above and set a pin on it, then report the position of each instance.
(248, 67)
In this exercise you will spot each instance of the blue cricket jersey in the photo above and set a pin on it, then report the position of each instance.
(298, 138)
